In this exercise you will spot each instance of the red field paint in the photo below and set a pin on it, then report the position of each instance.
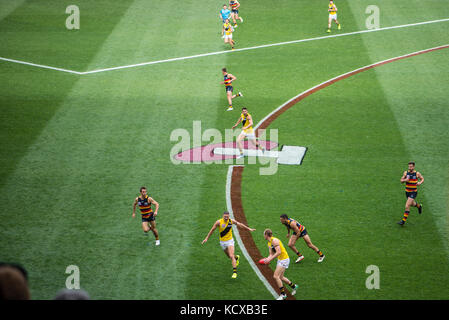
(205, 153)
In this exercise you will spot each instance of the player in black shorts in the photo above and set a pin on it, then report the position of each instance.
(412, 180)
(299, 231)
(148, 216)
(235, 5)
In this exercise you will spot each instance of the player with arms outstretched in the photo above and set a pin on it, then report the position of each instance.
(224, 226)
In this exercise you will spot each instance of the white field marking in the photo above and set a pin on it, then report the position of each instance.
(237, 235)
(263, 46)
(342, 76)
(224, 51)
(230, 168)
(40, 66)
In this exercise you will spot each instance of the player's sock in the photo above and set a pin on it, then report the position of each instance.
(291, 284)
(234, 270)
(406, 213)
(282, 291)
(319, 253)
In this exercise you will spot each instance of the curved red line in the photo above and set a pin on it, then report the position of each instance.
(236, 196)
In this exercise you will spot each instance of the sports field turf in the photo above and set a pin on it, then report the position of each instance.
(76, 148)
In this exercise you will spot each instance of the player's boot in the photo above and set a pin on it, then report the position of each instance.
(234, 275)
(321, 258)
(241, 19)
(294, 289)
(230, 108)
(339, 27)
(282, 297)
(299, 258)
(240, 94)
(158, 242)
(240, 156)
(328, 30)
(420, 209)
(401, 222)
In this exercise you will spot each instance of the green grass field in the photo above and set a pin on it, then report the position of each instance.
(76, 148)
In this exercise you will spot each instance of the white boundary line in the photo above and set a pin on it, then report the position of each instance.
(237, 235)
(222, 52)
(230, 168)
(40, 66)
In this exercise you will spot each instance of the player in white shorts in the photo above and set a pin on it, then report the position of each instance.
(277, 251)
(226, 32)
(247, 132)
(332, 16)
(224, 226)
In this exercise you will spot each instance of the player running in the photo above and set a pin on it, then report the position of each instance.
(412, 180)
(228, 79)
(226, 33)
(224, 226)
(235, 5)
(225, 13)
(299, 231)
(276, 250)
(247, 132)
(332, 16)
(148, 216)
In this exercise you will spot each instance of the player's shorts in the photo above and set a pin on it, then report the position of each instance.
(228, 36)
(148, 217)
(249, 134)
(302, 234)
(412, 195)
(333, 16)
(235, 11)
(229, 88)
(284, 263)
(225, 244)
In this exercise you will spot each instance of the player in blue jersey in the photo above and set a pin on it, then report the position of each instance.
(225, 13)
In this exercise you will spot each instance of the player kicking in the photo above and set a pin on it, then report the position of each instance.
(228, 79)
(235, 5)
(332, 16)
(224, 226)
(148, 216)
(299, 231)
(412, 180)
(247, 132)
(226, 33)
(276, 250)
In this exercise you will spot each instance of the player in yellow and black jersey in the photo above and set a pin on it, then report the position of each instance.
(277, 251)
(148, 216)
(299, 231)
(224, 226)
(332, 16)
(412, 180)
(226, 33)
(247, 132)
